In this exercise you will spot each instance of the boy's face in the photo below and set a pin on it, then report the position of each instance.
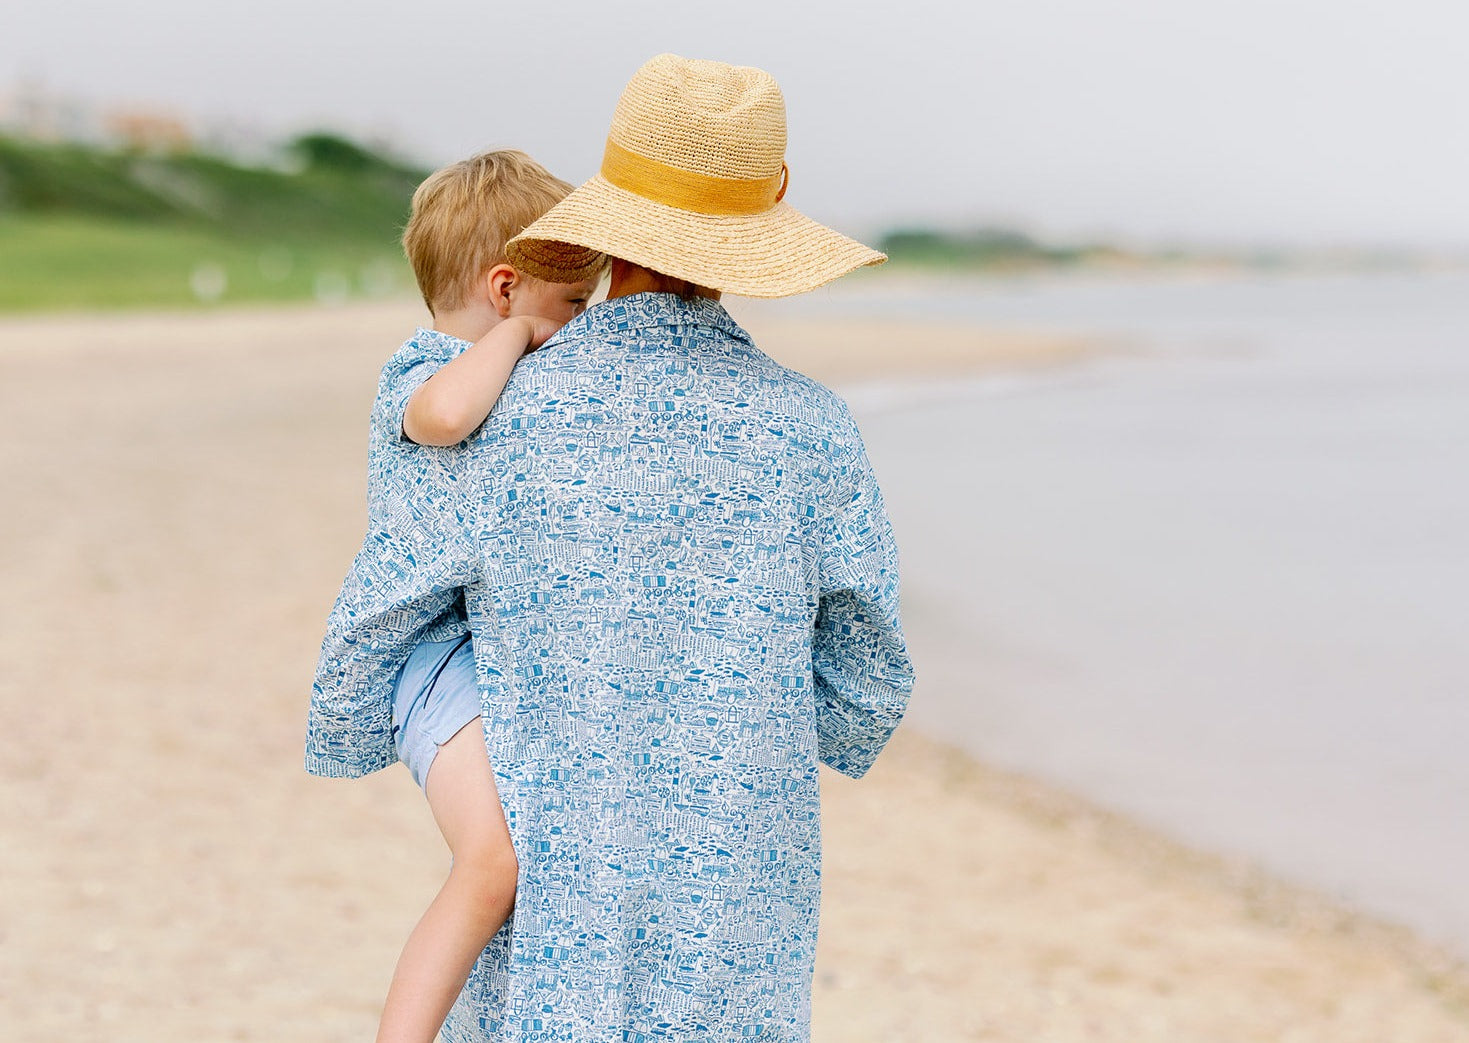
(557, 301)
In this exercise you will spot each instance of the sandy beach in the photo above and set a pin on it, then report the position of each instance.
(182, 496)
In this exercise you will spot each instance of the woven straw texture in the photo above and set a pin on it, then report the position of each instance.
(562, 263)
(709, 119)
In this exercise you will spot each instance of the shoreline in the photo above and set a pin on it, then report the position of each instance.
(1248, 955)
(168, 571)
(849, 353)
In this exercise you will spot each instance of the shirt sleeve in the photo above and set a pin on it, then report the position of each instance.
(403, 374)
(403, 589)
(859, 657)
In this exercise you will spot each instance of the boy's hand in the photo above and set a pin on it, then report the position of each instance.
(538, 330)
(447, 407)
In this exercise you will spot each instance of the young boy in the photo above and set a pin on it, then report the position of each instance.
(433, 393)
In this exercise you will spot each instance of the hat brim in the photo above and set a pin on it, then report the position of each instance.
(777, 253)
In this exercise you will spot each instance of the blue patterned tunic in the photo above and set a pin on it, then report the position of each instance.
(411, 509)
(683, 591)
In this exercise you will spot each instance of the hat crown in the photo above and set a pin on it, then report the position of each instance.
(707, 117)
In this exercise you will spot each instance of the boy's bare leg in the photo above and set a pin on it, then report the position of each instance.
(474, 901)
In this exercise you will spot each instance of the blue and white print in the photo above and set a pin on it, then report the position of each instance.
(411, 503)
(683, 592)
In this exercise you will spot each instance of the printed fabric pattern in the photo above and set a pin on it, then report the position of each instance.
(683, 591)
(410, 503)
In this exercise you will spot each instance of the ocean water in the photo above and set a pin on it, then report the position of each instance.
(1221, 584)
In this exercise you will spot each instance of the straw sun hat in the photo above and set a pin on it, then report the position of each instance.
(691, 186)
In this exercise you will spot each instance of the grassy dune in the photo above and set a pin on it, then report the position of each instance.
(90, 228)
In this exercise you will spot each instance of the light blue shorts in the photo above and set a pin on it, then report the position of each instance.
(434, 696)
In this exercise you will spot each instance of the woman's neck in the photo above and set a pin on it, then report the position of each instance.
(629, 278)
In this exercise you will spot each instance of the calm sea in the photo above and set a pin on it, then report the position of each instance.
(1221, 585)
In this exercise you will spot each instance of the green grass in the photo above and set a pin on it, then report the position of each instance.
(69, 262)
(83, 227)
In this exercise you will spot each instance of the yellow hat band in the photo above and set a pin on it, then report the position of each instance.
(687, 190)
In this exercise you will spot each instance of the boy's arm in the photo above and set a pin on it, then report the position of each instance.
(448, 406)
(858, 654)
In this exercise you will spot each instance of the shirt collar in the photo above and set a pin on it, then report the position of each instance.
(437, 338)
(647, 310)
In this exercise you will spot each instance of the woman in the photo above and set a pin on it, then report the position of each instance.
(683, 592)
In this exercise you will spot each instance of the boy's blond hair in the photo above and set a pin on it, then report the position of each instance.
(464, 214)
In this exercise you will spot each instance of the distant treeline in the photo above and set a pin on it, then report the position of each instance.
(980, 248)
(322, 184)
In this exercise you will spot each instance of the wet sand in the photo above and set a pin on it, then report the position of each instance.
(182, 495)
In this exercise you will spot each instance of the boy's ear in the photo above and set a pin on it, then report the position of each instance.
(501, 280)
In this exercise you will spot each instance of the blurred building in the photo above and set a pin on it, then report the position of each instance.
(29, 110)
(146, 130)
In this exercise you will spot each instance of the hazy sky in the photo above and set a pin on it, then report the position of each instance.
(1324, 121)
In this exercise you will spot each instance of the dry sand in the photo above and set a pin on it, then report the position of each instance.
(181, 496)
